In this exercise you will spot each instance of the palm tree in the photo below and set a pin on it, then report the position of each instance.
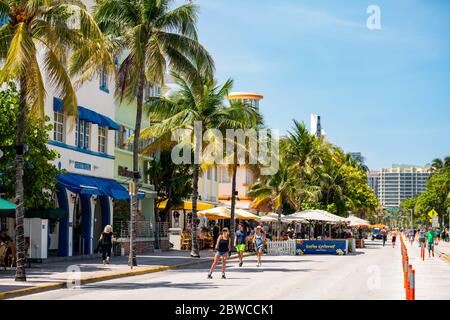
(239, 116)
(303, 153)
(46, 26)
(153, 36)
(199, 100)
(275, 191)
(440, 164)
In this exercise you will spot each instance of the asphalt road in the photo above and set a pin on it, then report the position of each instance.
(373, 273)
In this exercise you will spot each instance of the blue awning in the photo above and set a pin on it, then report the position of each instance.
(87, 115)
(91, 185)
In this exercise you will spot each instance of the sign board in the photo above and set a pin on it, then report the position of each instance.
(432, 213)
(435, 222)
(336, 247)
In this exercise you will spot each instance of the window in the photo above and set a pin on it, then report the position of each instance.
(224, 176)
(104, 82)
(248, 177)
(102, 139)
(58, 129)
(209, 174)
(83, 134)
(151, 91)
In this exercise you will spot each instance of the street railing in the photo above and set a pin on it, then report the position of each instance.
(281, 248)
(409, 274)
(144, 229)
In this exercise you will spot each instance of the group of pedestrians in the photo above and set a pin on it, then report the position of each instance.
(427, 238)
(223, 246)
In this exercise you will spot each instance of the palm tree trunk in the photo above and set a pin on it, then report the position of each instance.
(20, 238)
(233, 204)
(136, 173)
(279, 210)
(302, 186)
(195, 252)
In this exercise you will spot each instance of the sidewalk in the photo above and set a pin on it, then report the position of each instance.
(443, 249)
(47, 276)
(432, 281)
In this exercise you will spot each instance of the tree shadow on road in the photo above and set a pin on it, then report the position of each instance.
(153, 285)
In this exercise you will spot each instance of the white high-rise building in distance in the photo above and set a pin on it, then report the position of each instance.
(399, 183)
(316, 126)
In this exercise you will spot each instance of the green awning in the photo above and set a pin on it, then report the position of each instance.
(7, 207)
(8, 210)
(46, 214)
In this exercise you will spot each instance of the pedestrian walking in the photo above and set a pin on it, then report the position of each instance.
(223, 247)
(394, 237)
(384, 235)
(421, 237)
(411, 236)
(438, 236)
(105, 243)
(258, 240)
(430, 241)
(240, 241)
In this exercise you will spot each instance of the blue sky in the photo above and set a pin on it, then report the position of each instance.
(384, 93)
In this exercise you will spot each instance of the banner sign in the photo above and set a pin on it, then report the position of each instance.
(336, 247)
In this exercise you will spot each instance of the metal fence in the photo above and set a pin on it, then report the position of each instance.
(144, 229)
(281, 248)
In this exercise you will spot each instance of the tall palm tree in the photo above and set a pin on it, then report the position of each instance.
(50, 28)
(303, 153)
(153, 36)
(199, 100)
(238, 116)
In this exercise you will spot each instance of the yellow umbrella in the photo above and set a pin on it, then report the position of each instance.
(225, 213)
(380, 226)
(217, 213)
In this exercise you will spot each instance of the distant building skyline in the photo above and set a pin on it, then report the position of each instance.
(398, 183)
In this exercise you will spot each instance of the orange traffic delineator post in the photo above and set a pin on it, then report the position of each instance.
(408, 272)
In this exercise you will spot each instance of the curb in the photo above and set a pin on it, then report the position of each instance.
(104, 277)
(443, 256)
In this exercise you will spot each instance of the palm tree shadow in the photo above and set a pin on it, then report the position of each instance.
(153, 285)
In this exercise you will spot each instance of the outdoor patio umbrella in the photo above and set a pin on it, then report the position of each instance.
(380, 226)
(268, 218)
(315, 215)
(219, 213)
(357, 222)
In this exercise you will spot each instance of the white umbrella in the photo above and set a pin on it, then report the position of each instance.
(316, 215)
(355, 221)
(267, 218)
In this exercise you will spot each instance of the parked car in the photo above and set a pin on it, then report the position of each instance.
(376, 234)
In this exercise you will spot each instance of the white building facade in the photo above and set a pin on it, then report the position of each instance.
(401, 182)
